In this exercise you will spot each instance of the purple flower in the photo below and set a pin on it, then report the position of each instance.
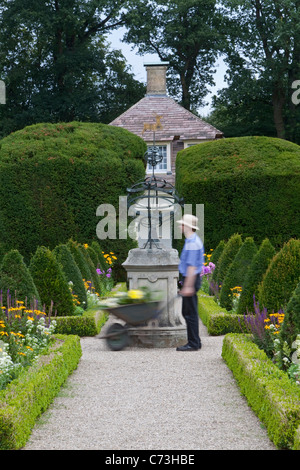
(108, 275)
(212, 266)
(98, 271)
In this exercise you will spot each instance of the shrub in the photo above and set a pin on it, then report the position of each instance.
(31, 394)
(269, 392)
(217, 252)
(71, 272)
(291, 324)
(230, 250)
(94, 276)
(15, 276)
(257, 269)
(51, 283)
(249, 185)
(281, 277)
(236, 272)
(80, 260)
(54, 176)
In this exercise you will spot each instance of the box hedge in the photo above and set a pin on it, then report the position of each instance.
(28, 396)
(218, 320)
(269, 391)
(248, 185)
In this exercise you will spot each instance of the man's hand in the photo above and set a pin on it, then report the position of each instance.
(187, 291)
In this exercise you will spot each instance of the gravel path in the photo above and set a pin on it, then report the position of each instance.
(150, 399)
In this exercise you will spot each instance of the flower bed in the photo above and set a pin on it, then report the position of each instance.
(26, 397)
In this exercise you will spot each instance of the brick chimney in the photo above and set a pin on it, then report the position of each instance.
(156, 78)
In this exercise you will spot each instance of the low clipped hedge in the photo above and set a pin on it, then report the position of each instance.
(31, 393)
(216, 319)
(86, 325)
(269, 392)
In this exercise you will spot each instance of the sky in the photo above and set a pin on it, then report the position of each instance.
(137, 63)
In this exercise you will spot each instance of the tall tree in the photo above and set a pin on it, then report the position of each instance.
(56, 64)
(185, 33)
(265, 35)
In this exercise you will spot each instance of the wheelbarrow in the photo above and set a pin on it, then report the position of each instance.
(117, 335)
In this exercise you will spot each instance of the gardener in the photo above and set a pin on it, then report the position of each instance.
(190, 267)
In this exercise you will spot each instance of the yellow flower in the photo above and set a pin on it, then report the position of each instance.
(135, 294)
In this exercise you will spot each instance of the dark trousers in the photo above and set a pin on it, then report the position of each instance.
(190, 314)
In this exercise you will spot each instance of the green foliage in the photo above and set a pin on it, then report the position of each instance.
(80, 260)
(291, 324)
(15, 276)
(24, 399)
(51, 283)
(281, 277)
(249, 185)
(257, 269)
(269, 392)
(237, 271)
(71, 272)
(53, 177)
(217, 252)
(58, 65)
(95, 278)
(217, 320)
(228, 254)
(89, 324)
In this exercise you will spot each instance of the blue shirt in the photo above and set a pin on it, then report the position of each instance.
(192, 255)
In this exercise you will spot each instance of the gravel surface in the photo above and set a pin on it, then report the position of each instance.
(150, 399)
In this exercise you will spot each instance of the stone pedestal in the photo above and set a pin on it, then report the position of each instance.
(158, 270)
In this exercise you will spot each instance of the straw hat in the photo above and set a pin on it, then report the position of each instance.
(189, 220)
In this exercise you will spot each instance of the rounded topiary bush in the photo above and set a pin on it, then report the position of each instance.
(16, 277)
(236, 272)
(228, 254)
(71, 272)
(248, 185)
(53, 177)
(290, 327)
(257, 269)
(281, 277)
(51, 283)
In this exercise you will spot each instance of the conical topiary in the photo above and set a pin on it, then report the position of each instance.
(230, 250)
(80, 260)
(50, 282)
(215, 257)
(281, 277)
(94, 276)
(236, 272)
(72, 272)
(257, 269)
(290, 327)
(15, 276)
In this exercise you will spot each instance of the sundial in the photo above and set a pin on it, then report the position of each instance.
(159, 195)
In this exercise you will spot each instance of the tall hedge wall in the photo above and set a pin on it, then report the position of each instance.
(248, 185)
(54, 176)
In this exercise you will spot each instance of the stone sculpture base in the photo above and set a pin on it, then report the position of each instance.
(158, 270)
